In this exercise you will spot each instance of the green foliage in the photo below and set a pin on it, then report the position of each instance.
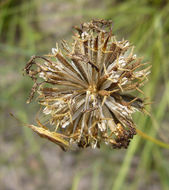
(144, 23)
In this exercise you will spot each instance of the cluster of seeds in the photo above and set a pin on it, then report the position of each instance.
(84, 89)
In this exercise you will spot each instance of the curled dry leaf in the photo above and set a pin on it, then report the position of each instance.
(85, 89)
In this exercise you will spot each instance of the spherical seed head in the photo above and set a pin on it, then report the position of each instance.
(85, 87)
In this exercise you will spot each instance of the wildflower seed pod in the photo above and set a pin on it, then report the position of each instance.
(85, 89)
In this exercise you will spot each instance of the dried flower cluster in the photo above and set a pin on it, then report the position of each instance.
(84, 89)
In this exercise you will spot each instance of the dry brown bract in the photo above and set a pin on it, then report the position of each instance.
(84, 89)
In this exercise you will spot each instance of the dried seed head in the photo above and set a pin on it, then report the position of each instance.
(84, 89)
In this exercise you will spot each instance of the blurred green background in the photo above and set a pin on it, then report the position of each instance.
(28, 162)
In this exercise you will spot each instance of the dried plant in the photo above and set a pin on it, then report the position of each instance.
(84, 89)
